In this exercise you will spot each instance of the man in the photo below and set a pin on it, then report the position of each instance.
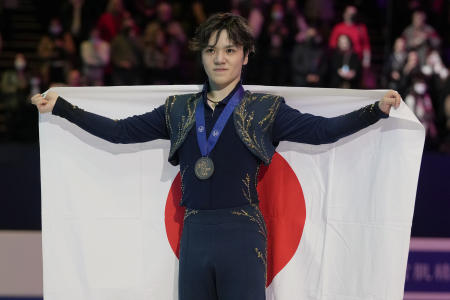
(223, 244)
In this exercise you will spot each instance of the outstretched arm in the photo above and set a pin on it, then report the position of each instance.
(294, 126)
(135, 129)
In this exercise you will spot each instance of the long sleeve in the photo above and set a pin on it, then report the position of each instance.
(135, 129)
(294, 126)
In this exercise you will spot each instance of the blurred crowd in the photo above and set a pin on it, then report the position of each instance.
(298, 43)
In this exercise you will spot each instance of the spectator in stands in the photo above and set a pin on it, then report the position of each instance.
(410, 71)
(164, 42)
(175, 38)
(57, 52)
(95, 55)
(436, 74)
(296, 24)
(276, 58)
(126, 55)
(345, 66)
(74, 78)
(392, 73)
(14, 89)
(20, 65)
(154, 54)
(356, 31)
(73, 10)
(15, 83)
(256, 18)
(110, 22)
(434, 65)
(419, 36)
(309, 61)
(45, 52)
(419, 101)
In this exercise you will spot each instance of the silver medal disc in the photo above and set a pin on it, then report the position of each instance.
(204, 168)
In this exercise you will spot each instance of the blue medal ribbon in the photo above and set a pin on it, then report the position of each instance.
(205, 145)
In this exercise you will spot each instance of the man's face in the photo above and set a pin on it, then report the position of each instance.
(223, 62)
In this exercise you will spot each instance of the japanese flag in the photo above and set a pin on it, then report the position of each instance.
(338, 215)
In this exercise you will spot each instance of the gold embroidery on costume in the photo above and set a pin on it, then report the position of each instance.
(246, 188)
(271, 115)
(188, 212)
(169, 104)
(263, 258)
(258, 218)
(185, 123)
(244, 123)
(182, 179)
(368, 112)
(256, 178)
(247, 126)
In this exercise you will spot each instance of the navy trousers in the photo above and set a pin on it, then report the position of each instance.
(223, 254)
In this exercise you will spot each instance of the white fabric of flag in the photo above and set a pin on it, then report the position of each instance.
(103, 204)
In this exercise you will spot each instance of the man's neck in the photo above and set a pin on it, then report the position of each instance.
(218, 93)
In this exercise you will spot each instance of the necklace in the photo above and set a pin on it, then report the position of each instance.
(214, 101)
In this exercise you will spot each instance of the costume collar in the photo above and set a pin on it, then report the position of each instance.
(225, 100)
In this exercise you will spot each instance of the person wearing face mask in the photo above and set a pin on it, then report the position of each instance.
(16, 81)
(14, 87)
(419, 101)
(57, 52)
(274, 68)
(356, 31)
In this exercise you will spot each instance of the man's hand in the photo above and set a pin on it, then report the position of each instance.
(44, 105)
(391, 98)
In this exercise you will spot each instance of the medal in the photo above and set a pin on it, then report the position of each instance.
(204, 166)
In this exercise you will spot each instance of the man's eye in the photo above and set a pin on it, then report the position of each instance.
(230, 50)
(209, 50)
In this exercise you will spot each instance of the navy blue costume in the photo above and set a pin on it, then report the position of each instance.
(223, 244)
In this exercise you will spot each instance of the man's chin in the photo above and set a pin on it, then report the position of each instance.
(222, 82)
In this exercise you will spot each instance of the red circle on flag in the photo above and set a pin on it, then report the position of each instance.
(281, 202)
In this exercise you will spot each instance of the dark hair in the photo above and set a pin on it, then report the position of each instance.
(236, 26)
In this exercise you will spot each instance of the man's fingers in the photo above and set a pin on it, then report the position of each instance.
(35, 98)
(38, 100)
(392, 98)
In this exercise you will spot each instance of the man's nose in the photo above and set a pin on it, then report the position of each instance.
(219, 58)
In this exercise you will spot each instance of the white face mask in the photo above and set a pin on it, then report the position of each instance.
(420, 88)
